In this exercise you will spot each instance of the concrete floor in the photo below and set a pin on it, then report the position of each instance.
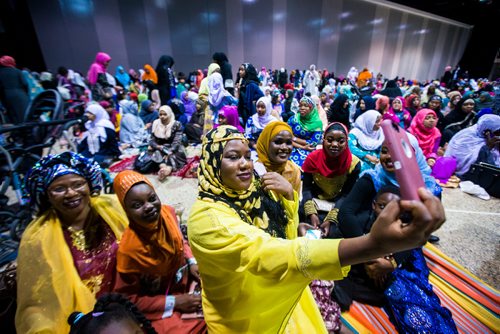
(471, 234)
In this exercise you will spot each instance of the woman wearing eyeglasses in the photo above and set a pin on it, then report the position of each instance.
(67, 256)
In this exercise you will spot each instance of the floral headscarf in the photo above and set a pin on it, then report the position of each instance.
(252, 204)
(45, 171)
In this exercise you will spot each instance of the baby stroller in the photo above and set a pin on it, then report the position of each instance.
(21, 147)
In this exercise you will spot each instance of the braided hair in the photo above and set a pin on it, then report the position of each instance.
(109, 308)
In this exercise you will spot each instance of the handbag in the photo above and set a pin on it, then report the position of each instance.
(487, 176)
(145, 163)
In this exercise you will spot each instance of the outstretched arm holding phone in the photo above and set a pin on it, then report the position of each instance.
(389, 234)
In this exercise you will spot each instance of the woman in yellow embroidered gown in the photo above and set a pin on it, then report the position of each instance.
(67, 255)
(254, 279)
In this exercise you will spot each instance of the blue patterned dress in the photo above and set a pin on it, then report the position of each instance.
(412, 306)
(311, 137)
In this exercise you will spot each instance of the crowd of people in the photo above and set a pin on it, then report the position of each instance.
(298, 207)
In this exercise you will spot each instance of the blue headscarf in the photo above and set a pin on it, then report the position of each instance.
(146, 115)
(122, 76)
(382, 178)
(47, 169)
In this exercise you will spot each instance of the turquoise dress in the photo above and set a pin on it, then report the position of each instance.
(361, 152)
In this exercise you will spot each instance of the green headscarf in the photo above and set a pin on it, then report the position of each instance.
(310, 122)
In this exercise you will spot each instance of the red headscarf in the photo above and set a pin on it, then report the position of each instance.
(154, 249)
(409, 100)
(320, 162)
(7, 61)
(426, 137)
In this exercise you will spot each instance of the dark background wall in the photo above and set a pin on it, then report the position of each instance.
(279, 33)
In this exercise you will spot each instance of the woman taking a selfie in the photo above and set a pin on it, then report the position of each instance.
(255, 280)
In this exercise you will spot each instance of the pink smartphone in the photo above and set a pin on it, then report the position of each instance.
(403, 157)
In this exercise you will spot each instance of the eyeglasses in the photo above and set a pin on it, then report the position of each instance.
(61, 190)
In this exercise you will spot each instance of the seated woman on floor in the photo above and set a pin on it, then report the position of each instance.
(132, 129)
(258, 121)
(329, 175)
(398, 114)
(148, 113)
(155, 266)
(166, 138)
(67, 256)
(423, 127)
(99, 141)
(366, 138)
(274, 147)
(228, 115)
(194, 128)
(307, 130)
(246, 243)
(478, 143)
(365, 103)
(189, 98)
(406, 294)
(458, 119)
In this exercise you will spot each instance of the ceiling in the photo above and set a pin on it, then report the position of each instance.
(467, 11)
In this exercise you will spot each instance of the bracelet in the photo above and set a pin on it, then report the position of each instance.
(392, 260)
(192, 261)
(169, 307)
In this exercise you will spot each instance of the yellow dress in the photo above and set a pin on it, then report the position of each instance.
(49, 288)
(254, 283)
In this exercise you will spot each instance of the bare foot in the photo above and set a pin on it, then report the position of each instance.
(164, 172)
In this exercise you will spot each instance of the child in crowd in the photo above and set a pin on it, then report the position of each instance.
(112, 313)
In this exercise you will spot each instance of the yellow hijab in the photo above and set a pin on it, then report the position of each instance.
(49, 288)
(290, 171)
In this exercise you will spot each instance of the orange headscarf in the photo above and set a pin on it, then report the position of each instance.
(152, 74)
(152, 249)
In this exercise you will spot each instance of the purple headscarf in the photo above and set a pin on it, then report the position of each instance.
(189, 104)
(231, 115)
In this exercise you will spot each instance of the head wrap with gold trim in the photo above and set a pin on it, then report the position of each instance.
(253, 205)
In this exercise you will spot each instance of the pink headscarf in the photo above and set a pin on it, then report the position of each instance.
(426, 137)
(98, 66)
(7, 61)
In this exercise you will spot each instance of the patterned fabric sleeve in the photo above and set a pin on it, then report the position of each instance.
(315, 138)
